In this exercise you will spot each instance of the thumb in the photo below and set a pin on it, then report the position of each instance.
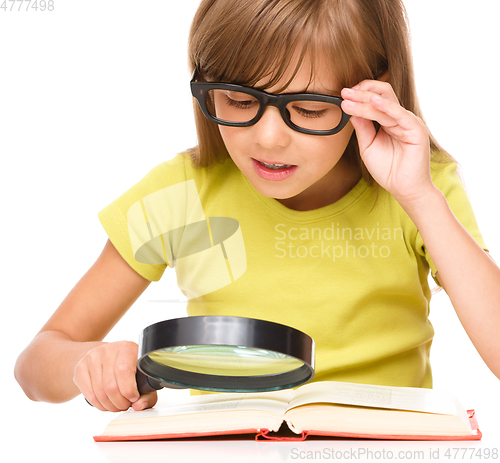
(146, 401)
(365, 132)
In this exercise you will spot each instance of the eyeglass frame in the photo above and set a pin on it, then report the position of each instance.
(199, 89)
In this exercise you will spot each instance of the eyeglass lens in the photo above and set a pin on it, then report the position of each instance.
(231, 106)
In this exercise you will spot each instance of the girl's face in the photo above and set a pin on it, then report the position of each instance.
(317, 176)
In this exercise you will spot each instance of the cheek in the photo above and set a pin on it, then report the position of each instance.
(334, 145)
(345, 135)
(343, 138)
(231, 136)
(222, 131)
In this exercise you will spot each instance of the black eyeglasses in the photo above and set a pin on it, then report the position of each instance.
(239, 106)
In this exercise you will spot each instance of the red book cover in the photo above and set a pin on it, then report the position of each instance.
(267, 435)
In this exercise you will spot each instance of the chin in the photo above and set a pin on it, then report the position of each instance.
(276, 192)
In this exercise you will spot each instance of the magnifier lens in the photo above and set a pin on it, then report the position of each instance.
(225, 354)
(225, 360)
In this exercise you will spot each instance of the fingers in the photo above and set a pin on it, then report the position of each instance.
(376, 101)
(384, 89)
(365, 132)
(371, 106)
(146, 401)
(84, 383)
(106, 377)
(124, 372)
(104, 389)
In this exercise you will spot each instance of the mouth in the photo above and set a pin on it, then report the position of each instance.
(272, 170)
(274, 166)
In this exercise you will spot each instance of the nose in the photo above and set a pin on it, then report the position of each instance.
(271, 130)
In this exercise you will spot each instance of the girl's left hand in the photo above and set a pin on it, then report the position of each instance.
(398, 155)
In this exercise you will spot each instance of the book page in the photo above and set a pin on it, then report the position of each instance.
(398, 398)
(275, 402)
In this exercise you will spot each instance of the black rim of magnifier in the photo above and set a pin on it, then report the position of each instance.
(225, 331)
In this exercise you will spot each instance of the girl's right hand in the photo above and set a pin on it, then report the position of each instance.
(106, 377)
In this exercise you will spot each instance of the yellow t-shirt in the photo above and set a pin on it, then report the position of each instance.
(352, 275)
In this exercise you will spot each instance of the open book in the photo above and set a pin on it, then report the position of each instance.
(324, 408)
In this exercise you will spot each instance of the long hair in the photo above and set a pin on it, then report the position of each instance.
(242, 41)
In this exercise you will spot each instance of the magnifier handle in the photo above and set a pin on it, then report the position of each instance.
(145, 384)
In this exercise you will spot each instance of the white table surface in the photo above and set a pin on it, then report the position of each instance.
(38, 431)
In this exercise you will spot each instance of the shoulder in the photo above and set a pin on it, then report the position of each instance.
(169, 172)
(445, 171)
(175, 171)
(168, 186)
(447, 176)
(181, 168)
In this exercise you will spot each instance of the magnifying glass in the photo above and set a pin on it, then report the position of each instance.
(224, 354)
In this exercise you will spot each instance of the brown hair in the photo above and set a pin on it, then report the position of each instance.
(242, 41)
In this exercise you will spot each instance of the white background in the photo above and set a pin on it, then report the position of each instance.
(92, 96)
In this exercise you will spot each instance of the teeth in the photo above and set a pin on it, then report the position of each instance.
(275, 166)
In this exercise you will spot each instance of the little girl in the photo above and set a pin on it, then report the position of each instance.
(316, 198)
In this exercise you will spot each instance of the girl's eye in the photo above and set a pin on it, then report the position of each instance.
(309, 113)
(240, 100)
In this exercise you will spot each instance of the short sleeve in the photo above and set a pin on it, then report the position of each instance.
(129, 221)
(446, 178)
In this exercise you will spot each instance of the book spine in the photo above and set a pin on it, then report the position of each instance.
(265, 435)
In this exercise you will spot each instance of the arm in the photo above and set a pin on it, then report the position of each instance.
(398, 157)
(68, 356)
(468, 274)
